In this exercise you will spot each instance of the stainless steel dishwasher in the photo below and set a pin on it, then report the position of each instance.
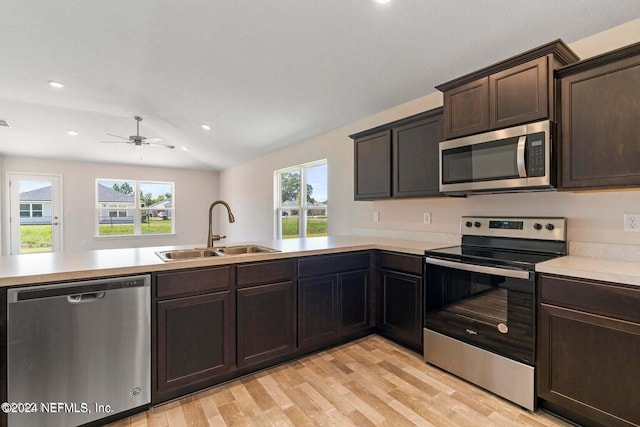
(78, 352)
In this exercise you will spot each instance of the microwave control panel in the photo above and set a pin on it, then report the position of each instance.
(536, 154)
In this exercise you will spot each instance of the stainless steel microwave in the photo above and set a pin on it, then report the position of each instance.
(505, 160)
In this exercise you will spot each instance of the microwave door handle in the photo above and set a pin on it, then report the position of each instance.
(522, 168)
(496, 271)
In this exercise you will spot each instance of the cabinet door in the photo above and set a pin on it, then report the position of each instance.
(519, 95)
(265, 322)
(416, 170)
(588, 366)
(466, 109)
(353, 302)
(600, 127)
(373, 166)
(317, 311)
(195, 342)
(402, 307)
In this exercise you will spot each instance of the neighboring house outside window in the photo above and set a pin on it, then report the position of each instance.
(35, 206)
(301, 201)
(134, 207)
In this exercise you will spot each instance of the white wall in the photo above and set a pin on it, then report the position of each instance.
(194, 191)
(249, 187)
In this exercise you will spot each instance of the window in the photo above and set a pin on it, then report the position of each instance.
(301, 201)
(129, 207)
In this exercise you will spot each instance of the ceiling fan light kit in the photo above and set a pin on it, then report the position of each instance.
(137, 139)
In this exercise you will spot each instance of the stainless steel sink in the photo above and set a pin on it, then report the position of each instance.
(186, 254)
(245, 249)
(182, 254)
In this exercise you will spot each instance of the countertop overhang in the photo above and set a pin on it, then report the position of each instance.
(54, 267)
(25, 269)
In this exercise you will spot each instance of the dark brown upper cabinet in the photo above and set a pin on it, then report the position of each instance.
(399, 159)
(373, 166)
(599, 123)
(515, 91)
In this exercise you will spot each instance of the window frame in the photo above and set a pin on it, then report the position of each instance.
(137, 210)
(303, 208)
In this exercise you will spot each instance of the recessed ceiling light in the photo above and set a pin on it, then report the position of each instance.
(184, 148)
(382, 1)
(57, 85)
(73, 132)
(205, 127)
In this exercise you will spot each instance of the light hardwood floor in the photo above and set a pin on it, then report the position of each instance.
(369, 382)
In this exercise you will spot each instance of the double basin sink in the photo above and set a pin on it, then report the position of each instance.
(197, 253)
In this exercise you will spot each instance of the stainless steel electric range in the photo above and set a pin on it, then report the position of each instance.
(480, 302)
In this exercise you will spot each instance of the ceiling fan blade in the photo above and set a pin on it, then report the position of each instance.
(118, 136)
(115, 142)
(155, 139)
(155, 144)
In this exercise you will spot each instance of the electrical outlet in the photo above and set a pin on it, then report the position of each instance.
(631, 222)
(427, 218)
(376, 217)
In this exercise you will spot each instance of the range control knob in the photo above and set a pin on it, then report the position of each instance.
(550, 227)
(468, 224)
(477, 224)
(537, 226)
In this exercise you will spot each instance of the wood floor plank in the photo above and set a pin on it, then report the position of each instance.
(369, 382)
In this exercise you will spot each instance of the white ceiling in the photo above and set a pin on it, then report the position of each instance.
(263, 74)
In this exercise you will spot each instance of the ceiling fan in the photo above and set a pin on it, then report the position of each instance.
(137, 139)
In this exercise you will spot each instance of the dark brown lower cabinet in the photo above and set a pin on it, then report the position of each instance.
(266, 323)
(588, 366)
(317, 311)
(399, 298)
(195, 343)
(353, 302)
(332, 307)
(401, 307)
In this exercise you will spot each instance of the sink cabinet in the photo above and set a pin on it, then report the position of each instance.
(588, 368)
(334, 298)
(599, 123)
(194, 324)
(400, 298)
(515, 91)
(265, 301)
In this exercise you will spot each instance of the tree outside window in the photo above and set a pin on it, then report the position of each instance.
(301, 195)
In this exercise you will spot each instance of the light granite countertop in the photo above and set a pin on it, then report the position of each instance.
(603, 269)
(50, 267)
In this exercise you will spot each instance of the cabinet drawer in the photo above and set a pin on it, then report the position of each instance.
(401, 262)
(264, 272)
(330, 264)
(192, 281)
(607, 299)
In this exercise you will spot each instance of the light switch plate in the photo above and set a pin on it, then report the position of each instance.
(427, 218)
(376, 217)
(631, 222)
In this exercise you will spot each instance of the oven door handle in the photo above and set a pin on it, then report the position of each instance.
(496, 271)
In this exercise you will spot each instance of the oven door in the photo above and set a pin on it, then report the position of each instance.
(486, 306)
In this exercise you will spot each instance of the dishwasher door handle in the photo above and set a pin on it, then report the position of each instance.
(88, 297)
